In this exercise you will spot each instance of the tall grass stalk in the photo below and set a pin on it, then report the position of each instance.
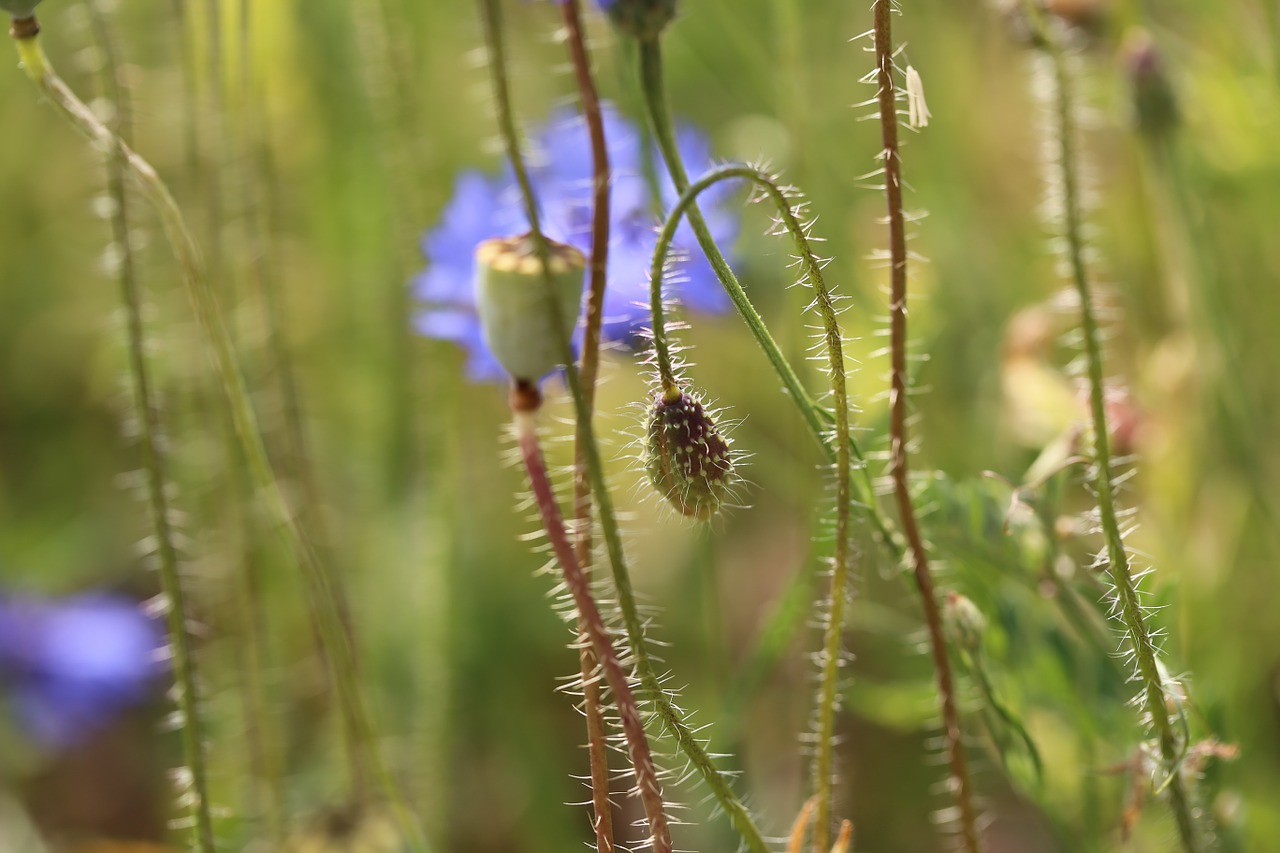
(887, 99)
(317, 583)
(1159, 699)
(187, 692)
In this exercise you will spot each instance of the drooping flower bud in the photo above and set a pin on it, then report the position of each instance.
(1155, 104)
(523, 332)
(687, 459)
(643, 19)
(964, 622)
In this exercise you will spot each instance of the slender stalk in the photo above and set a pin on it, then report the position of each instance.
(186, 682)
(588, 369)
(828, 694)
(671, 716)
(1154, 698)
(647, 783)
(887, 97)
(319, 587)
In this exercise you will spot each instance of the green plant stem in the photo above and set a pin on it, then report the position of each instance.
(647, 783)
(828, 694)
(187, 693)
(339, 654)
(588, 369)
(672, 717)
(816, 418)
(1154, 696)
(887, 101)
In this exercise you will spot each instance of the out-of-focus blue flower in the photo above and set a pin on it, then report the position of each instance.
(560, 167)
(68, 666)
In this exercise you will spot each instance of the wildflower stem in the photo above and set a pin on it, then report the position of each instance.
(339, 655)
(961, 786)
(187, 692)
(647, 783)
(671, 716)
(816, 418)
(588, 368)
(841, 442)
(1155, 699)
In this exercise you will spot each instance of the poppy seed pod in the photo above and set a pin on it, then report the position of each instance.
(525, 334)
(687, 459)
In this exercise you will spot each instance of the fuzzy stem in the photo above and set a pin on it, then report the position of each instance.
(319, 586)
(828, 695)
(1154, 697)
(887, 97)
(647, 783)
(186, 682)
(672, 717)
(816, 418)
(588, 368)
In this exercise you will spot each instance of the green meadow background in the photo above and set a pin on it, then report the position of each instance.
(312, 142)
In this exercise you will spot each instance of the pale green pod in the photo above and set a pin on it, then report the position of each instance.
(519, 324)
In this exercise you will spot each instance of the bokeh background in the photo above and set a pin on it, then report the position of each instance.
(312, 143)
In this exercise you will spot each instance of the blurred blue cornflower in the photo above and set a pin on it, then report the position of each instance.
(559, 162)
(68, 666)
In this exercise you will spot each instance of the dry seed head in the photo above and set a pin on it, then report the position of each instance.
(686, 457)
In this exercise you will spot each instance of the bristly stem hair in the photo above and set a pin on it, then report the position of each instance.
(150, 431)
(811, 266)
(672, 717)
(817, 418)
(339, 655)
(525, 402)
(588, 369)
(590, 622)
(1155, 696)
(960, 783)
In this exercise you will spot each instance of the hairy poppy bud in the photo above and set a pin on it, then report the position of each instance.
(522, 331)
(687, 458)
(644, 19)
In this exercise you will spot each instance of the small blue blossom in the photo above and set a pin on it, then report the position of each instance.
(560, 169)
(67, 667)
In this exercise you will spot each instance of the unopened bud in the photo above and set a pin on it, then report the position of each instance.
(687, 458)
(643, 19)
(1155, 104)
(964, 622)
(523, 332)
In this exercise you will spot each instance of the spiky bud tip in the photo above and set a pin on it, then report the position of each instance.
(687, 458)
(524, 323)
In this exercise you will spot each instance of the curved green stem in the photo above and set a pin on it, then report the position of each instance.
(1155, 699)
(828, 694)
(671, 716)
(816, 417)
